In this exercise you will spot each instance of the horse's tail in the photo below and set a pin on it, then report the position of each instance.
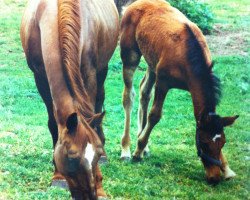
(69, 29)
(69, 37)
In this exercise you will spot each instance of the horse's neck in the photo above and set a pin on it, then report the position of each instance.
(63, 103)
(200, 102)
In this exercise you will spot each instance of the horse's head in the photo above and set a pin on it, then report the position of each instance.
(210, 139)
(77, 153)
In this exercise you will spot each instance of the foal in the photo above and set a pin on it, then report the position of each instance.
(178, 57)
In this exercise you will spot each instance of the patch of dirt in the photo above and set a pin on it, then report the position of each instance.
(223, 42)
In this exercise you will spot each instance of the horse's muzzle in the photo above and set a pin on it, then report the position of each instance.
(214, 180)
(73, 165)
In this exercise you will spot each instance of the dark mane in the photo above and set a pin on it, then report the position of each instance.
(69, 29)
(210, 83)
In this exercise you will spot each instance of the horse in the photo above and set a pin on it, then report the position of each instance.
(178, 56)
(68, 45)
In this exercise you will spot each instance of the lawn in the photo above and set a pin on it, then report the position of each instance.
(173, 171)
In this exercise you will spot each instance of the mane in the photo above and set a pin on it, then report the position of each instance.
(210, 83)
(69, 36)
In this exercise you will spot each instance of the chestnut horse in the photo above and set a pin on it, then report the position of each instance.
(178, 57)
(68, 45)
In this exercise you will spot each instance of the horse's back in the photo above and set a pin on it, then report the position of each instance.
(159, 26)
(39, 22)
(100, 30)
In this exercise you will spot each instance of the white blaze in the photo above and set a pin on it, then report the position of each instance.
(216, 136)
(89, 154)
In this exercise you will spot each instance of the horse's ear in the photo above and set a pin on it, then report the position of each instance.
(72, 122)
(227, 121)
(96, 119)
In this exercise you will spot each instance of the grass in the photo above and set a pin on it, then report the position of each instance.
(172, 172)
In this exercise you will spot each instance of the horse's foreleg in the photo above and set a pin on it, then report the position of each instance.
(99, 188)
(145, 96)
(228, 173)
(161, 90)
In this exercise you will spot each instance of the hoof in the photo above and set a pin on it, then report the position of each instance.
(60, 183)
(146, 154)
(125, 159)
(229, 174)
(213, 181)
(102, 198)
(103, 160)
(136, 159)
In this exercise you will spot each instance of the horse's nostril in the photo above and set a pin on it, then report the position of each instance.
(73, 164)
(73, 154)
(213, 180)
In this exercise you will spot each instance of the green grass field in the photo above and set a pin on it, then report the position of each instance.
(173, 171)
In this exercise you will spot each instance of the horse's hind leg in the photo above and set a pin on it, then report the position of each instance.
(100, 96)
(146, 86)
(154, 116)
(130, 55)
(43, 89)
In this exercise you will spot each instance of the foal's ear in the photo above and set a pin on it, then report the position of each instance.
(72, 122)
(96, 119)
(227, 121)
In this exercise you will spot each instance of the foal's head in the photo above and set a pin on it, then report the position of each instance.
(210, 139)
(77, 153)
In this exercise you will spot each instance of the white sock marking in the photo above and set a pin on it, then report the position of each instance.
(229, 173)
(126, 153)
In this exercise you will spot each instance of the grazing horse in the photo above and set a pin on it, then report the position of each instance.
(178, 57)
(68, 45)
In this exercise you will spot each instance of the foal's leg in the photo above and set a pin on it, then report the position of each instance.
(128, 98)
(145, 96)
(161, 90)
(131, 56)
(228, 173)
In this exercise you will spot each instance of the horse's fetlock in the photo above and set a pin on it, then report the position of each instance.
(141, 145)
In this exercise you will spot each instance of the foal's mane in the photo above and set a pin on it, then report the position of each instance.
(69, 36)
(210, 84)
